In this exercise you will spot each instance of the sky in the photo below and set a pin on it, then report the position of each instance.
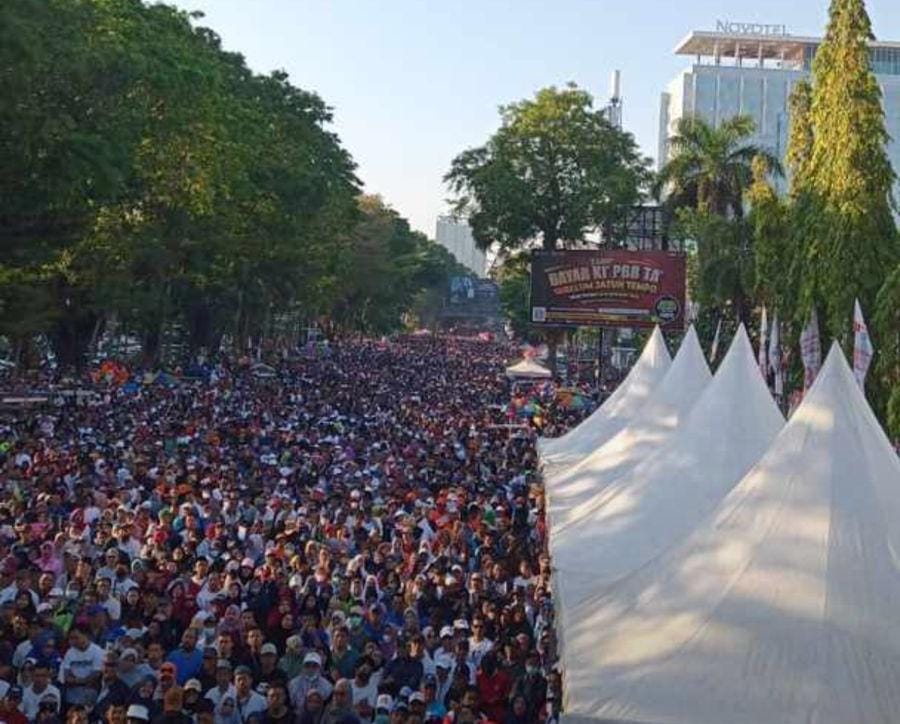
(412, 83)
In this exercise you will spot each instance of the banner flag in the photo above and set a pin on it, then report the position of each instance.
(761, 358)
(775, 355)
(714, 350)
(810, 350)
(862, 346)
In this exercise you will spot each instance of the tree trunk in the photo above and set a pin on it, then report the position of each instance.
(151, 343)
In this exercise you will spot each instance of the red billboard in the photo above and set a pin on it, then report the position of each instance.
(614, 288)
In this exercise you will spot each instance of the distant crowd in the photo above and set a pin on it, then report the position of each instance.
(358, 537)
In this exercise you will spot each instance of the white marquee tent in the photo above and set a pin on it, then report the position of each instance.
(782, 606)
(660, 501)
(650, 428)
(528, 369)
(614, 413)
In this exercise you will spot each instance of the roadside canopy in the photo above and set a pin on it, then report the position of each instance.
(528, 369)
(782, 606)
(620, 407)
(658, 504)
(649, 430)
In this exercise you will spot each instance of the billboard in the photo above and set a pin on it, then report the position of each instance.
(471, 296)
(612, 288)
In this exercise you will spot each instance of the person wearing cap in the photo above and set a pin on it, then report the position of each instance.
(39, 687)
(268, 665)
(310, 678)
(443, 666)
(417, 704)
(192, 691)
(384, 705)
(137, 714)
(247, 702)
(224, 683)
(81, 668)
(130, 672)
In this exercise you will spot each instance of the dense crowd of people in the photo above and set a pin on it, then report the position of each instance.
(358, 537)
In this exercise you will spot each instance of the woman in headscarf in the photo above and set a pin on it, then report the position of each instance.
(231, 623)
(227, 711)
(49, 561)
(313, 708)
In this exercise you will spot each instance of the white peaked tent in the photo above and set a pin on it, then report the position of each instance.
(528, 369)
(615, 412)
(650, 428)
(661, 500)
(782, 606)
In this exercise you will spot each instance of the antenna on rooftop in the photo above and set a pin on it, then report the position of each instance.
(614, 107)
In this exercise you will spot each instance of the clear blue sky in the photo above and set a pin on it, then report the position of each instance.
(413, 82)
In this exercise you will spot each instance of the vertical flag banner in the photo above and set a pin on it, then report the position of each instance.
(862, 346)
(811, 350)
(775, 355)
(763, 332)
(714, 350)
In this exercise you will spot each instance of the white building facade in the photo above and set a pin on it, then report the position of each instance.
(456, 237)
(750, 69)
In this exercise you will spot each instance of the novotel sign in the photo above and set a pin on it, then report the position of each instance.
(726, 26)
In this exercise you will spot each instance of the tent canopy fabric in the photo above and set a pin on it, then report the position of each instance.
(646, 432)
(528, 369)
(658, 503)
(781, 606)
(615, 412)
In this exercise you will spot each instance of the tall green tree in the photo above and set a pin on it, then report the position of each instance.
(556, 170)
(851, 241)
(800, 136)
(710, 167)
(772, 248)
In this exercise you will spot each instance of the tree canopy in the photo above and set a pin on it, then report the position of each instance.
(556, 170)
(153, 183)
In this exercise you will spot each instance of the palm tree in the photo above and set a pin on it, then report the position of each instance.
(711, 166)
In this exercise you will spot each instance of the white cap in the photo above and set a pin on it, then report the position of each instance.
(269, 649)
(312, 658)
(136, 711)
(384, 701)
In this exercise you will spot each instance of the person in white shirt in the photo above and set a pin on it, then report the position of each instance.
(247, 702)
(80, 669)
(365, 689)
(224, 687)
(479, 645)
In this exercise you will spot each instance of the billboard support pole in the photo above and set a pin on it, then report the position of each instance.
(599, 356)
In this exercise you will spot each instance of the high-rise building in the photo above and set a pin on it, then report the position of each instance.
(750, 69)
(456, 237)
